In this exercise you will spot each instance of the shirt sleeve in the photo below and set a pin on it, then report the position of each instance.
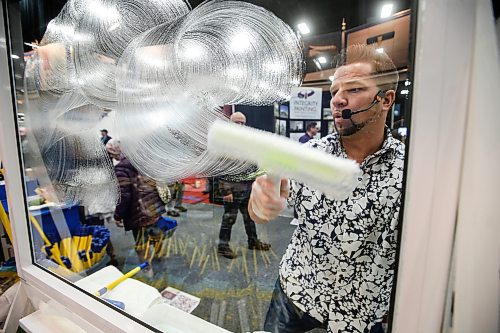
(295, 186)
(163, 192)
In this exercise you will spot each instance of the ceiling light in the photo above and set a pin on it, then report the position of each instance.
(405, 92)
(303, 28)
(386, 10)
(14, 56)
(332, 78)
(32, 45)
(322, 60)
(318, 65)
(380, 50)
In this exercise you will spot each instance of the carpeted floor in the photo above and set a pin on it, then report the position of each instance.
(234, 294)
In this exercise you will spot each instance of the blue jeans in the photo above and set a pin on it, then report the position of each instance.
(284, 317)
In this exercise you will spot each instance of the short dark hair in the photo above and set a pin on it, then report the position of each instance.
(104, 130)
(385, 72)
(312, 124)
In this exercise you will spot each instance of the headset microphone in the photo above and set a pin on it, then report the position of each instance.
(348, 113)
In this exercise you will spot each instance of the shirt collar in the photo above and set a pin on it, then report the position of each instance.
(389, 145)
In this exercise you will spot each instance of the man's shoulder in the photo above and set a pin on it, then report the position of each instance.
(125, 166)
(329, 140)
(304, 138)
(397, 147)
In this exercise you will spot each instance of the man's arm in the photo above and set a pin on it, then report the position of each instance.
(265, 204)
(226, 190)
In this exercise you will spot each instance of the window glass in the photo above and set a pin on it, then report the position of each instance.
(115, 100)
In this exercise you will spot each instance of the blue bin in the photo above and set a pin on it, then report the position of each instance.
(31, 185)
(44, 218)
(71, 215)
(3, 195)
(167, 225)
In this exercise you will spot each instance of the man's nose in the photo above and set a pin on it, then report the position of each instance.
(338, 101)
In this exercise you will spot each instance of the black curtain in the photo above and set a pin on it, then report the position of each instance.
(261, 117)
(36, 15)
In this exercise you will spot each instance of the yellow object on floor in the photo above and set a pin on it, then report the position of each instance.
(6, 222)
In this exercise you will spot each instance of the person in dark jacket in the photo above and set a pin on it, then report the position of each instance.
(105, 137)
(235, 194)
(311, 131)
(140, 205)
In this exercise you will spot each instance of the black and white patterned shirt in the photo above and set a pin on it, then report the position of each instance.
(339, 265)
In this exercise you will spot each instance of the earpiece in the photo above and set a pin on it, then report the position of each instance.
(348, 113)
(380, 95)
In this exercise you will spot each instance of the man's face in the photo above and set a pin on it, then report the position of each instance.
(104, 133)
(238, 120)
(353, 88)
(313, 130)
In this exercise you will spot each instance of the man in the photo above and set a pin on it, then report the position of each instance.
(235, 197)
(104, 136)
(311, 131)
(338, 269)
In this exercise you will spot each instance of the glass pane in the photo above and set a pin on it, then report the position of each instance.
(115, 100)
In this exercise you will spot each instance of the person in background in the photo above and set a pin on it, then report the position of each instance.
(104, 136)
(174, 206)
(338, 269)
(311, 131)
(235, 195)
(140, 205)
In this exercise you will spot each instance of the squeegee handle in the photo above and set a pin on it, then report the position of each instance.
(276, 180)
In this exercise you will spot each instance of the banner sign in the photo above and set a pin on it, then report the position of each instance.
(306, 103)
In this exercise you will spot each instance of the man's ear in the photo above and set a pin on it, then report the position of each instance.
(388, 100)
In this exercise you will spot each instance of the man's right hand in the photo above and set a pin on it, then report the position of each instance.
(266, 202)
(228, 198)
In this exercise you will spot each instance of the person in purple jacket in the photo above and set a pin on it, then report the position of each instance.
(311, 131)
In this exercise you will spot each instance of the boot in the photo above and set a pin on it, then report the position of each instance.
(173, 213)
(225, 251)
(258, 245)
(181, 209)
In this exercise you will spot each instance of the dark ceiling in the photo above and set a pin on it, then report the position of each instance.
(322, 16)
